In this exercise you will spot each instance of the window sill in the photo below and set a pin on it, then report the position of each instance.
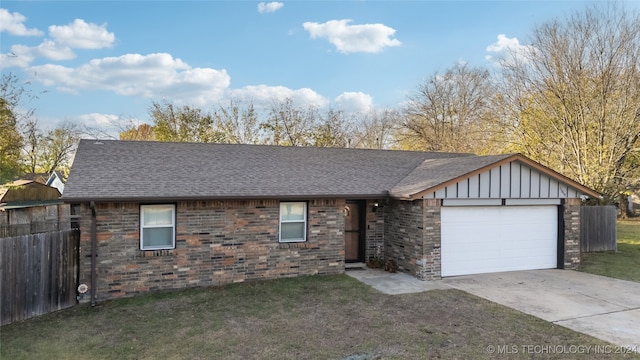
(292, 245)
(155, 253)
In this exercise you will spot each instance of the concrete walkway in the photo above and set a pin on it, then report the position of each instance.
(394, 283)
(605, 308)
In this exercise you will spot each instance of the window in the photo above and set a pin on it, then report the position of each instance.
(157, 227)
(293, 221)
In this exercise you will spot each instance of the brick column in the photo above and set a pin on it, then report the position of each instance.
(431, 260)
(571, 217)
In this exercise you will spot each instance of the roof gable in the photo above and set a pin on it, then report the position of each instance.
(513, 176)
(27, 190)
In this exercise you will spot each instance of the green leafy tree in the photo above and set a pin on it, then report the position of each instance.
(10, 143)
(13, 93)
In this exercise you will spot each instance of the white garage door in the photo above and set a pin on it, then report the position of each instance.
(500, 238)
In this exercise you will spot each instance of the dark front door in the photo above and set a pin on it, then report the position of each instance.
(354, 231)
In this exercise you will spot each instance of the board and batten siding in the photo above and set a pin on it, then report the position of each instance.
(511, 180)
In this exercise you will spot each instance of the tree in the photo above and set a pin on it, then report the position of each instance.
(12, 94)
(288, 124)
(59, 146)
(237, 123)
(183, 123)
(144, 132)
(10, 143)
(376, 129)
(33, 146)
(575, 97)
(50, 151)
(330, 130)
(451, 111)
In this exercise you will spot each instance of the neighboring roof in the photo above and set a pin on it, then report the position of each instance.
(38, 177)
(27, 190)
(55, 180)
(112, 170)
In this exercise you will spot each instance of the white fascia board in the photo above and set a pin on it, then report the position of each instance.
(471, 202)
(532, 202)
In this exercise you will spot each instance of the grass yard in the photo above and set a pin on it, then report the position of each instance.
(623, 264)
(318, 317)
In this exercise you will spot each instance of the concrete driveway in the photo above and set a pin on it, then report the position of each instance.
(605, 308)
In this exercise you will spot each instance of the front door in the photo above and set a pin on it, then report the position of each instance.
(353, 231)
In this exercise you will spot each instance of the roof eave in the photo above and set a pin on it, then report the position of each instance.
(74, 200)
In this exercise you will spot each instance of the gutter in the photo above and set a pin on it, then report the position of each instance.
(162, 199)
(92, 206)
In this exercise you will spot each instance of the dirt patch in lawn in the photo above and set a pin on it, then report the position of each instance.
(320, 317)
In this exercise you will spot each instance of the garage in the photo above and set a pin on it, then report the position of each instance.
(485, 239)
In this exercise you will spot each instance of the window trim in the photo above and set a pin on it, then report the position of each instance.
(173, 227)
(304, 221)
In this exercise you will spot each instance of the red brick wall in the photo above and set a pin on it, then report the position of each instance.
(217, 242)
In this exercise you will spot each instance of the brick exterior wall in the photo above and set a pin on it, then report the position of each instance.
(404, 235)
(374, 225)
(222, 242)
(217, 243)
(431, 261)
(571, 216)
(412, 235)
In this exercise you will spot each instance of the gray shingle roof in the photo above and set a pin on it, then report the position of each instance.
(433, 172)
(138, 170)
(111, 170)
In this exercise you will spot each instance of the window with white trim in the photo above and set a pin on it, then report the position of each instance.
(293, 221)
(157, 227)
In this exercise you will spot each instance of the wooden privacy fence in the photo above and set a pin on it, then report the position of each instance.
(38, 274)
(598, 228)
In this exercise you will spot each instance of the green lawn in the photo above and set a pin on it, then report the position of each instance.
(319, 317)
(623, 264)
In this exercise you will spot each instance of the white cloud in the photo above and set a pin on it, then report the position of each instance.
(81, 35)
(19, 55)
(104, 126)
(269, 7)
(370, 38)
(64, 39)
(508, 49)
(355, 102)
(13, 24)
(148, 76)
(264, 95)
(101, 120)
(53, 51)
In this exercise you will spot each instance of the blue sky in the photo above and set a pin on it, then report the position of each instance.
(104, 62)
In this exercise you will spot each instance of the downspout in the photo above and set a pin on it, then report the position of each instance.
(92, 206)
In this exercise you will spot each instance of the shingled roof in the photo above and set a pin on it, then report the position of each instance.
(111, 170)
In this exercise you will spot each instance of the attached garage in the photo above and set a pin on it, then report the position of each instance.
(486, 214)
(484, 239)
